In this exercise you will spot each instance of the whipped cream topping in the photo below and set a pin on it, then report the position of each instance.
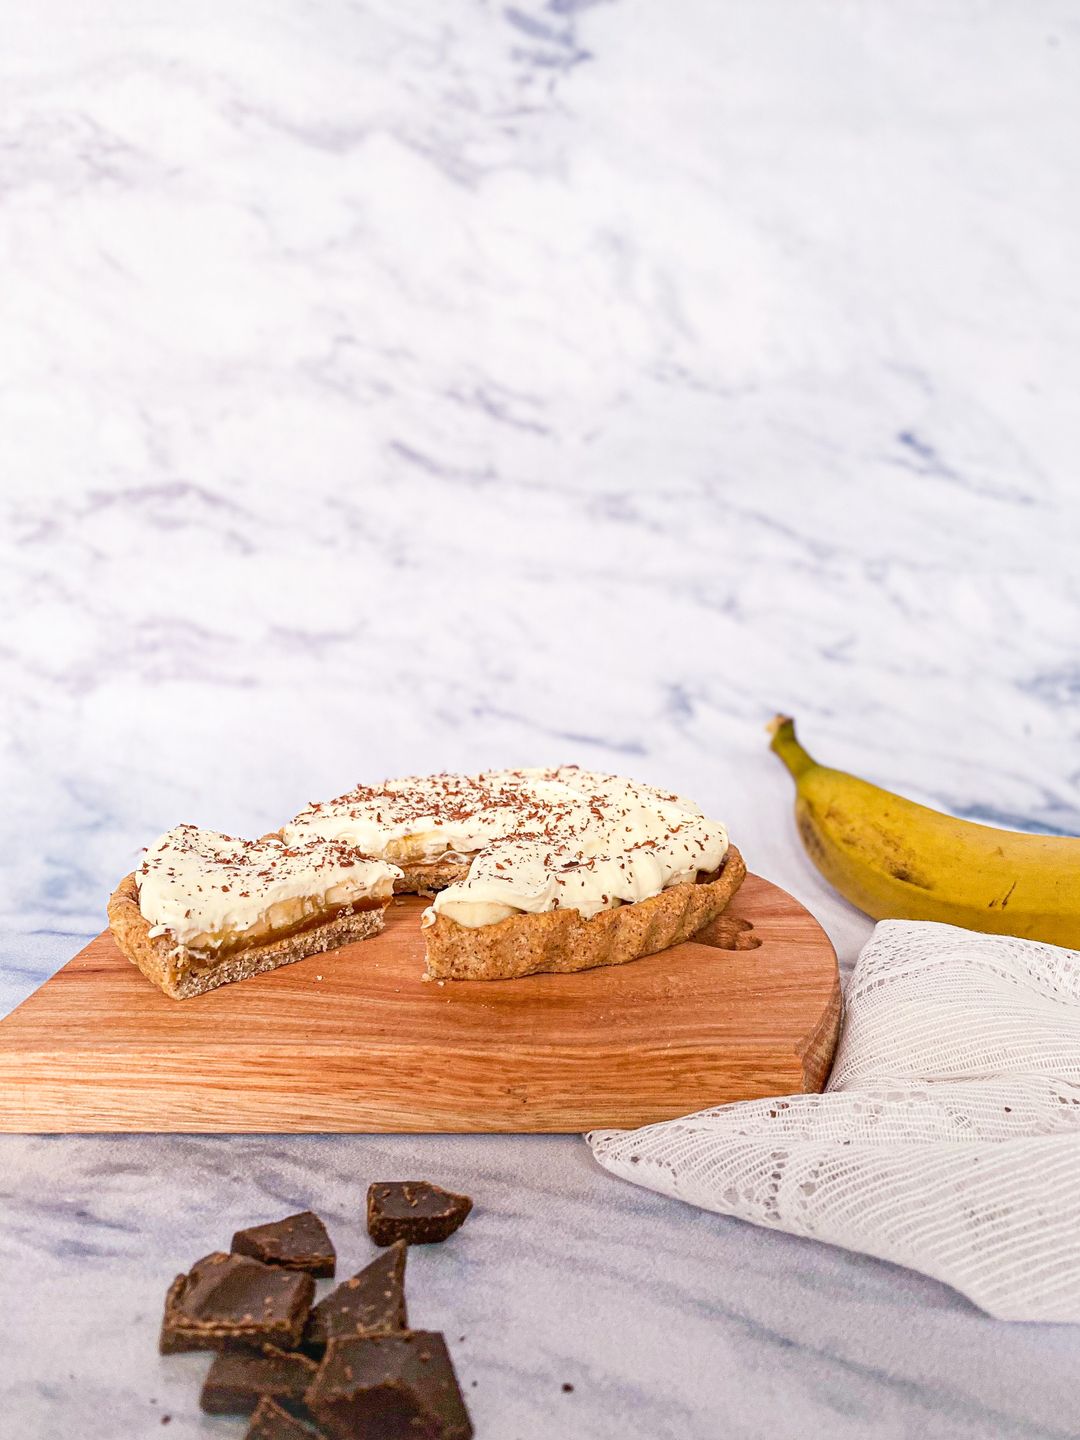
(424, 817)
(206, 889)
(539, 839)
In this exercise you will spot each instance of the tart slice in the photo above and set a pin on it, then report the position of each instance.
(205, 909)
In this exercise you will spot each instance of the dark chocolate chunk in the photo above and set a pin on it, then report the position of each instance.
(396, 1387)
(414, 1211)
(299, 1242)
(372, 1302)
(238, 1379)
(271, 1422)
(226, 1300)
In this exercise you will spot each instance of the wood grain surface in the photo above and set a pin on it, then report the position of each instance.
(355, 1040)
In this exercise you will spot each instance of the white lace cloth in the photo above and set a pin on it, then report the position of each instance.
(948, 1139)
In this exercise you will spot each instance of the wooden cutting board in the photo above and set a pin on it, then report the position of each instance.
(356, 1041)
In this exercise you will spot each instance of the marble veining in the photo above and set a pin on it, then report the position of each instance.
(395, 386)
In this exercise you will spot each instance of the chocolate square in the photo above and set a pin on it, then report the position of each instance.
(414, 1211)
(371, 1302)
(396, 1387)
(239, 1379)
(225, 1300)
(271, 1422)
(299, 1242)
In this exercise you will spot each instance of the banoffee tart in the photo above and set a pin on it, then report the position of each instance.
(539, 870)
(204, 909)
(529, 870)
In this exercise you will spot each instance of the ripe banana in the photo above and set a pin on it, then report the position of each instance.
(895, 859)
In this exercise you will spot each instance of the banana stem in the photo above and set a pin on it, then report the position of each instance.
(784, 743)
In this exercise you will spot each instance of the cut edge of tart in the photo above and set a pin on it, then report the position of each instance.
(182, 973)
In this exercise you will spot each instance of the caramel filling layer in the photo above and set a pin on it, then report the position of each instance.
(282, 920)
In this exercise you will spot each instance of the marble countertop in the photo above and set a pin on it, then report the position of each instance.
(396, 386)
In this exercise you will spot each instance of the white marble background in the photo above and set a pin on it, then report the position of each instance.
(390, 386)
